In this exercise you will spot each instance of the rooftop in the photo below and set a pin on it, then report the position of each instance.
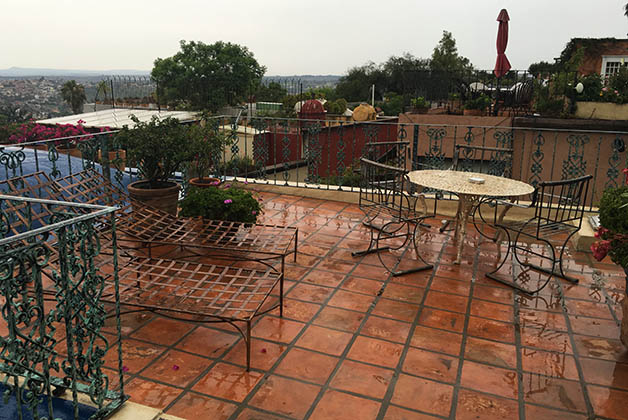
(118, 117)
(355, 342)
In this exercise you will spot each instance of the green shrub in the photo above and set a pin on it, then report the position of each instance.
(231, 204)
(482, 102)
(419, 102)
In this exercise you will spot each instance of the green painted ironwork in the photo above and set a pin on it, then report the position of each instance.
(575, 165)
(65, 248)
(260, 149)
(435, 157)
(614, 160)
(12, 161)
(313, 151)
(285, 146)
(537, 159)
(53, 157)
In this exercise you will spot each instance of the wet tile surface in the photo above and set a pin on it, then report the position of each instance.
(356, 343)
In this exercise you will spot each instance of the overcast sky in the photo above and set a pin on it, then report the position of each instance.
(292, 36)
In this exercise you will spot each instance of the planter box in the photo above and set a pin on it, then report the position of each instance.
(602, 110)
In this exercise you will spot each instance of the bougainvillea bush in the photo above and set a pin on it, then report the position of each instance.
(32, 132)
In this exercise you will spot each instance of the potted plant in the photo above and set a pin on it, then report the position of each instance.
(419, 105)
(158, 149)
(232, 204)
(477, 106)
(613, 235)
(208, 145)
(455, 104)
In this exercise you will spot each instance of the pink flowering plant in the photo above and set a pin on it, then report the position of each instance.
(231, 203)
(32, 132)
(613, 230)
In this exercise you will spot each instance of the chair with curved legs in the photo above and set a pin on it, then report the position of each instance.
(394, 213)
(558, 213)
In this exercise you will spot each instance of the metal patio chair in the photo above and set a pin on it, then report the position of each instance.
(390, 203)
(558, 212)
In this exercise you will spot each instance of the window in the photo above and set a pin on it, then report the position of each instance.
(611, 64)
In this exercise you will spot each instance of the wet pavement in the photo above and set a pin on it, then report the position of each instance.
(356, 343)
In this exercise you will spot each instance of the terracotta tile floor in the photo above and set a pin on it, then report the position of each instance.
(355, 343)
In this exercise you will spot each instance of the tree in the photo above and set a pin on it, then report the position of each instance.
(400, 70)
(203, 76)
(273, 92)
(74, 95)
(356, 85)
(445, 56)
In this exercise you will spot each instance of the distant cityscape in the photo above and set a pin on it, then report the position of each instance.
(39, 94)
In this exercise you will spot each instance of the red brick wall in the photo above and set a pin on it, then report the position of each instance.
(592, 60)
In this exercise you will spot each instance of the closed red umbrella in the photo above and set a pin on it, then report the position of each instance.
(502, 65)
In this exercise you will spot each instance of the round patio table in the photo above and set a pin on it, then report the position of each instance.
(469, 193)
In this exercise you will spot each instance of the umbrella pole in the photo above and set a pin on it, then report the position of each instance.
(496, 97)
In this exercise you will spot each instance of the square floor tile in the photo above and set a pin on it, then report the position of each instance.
(276, 329)
(310, 293)
(336, 405)
(362, 285)
(496, 311)
(324, 340)
(194, 406)
(299, 311)
(396, 310)
(135, 355)
(443, 284)
(431, 365)
(324, 278)
(403, 293)
(339, 319)
(553, 364)
(228, 381)
(264, 354)
(444, 320)
(543, 413)
(436, 340)
(474, 405)
(553, 392)
(285, 396)
(163, 331)
(177, 368)
(351, 300)
(151, 393)
(491, 352)
(434, 397)
(386, 329)
(546, 339)
(398, 413)
(307, 365)
(361, 378)
(208, 342)
(491, 329)
(377, 352)
(446, 301)
(489, 379)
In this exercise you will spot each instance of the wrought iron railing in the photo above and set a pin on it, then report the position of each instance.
(324, 154)
(51, 287)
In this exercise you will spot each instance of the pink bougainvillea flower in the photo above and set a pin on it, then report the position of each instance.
(600, 249)
(604, 89)
(175, 367)
(253, 212)
(228, 201)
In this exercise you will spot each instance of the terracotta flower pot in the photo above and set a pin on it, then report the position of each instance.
(206, 182)
(165, 198)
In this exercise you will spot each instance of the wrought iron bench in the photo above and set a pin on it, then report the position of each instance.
(558, 212)
(236, 290)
